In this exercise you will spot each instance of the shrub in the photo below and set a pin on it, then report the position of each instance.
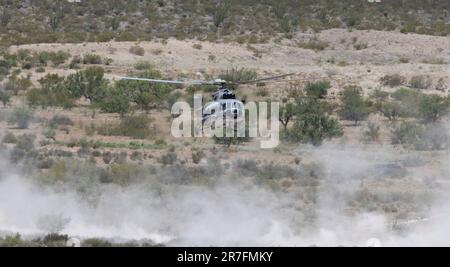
(317, 89)
(60, 120)
(311, 124)
(372, 133)
(25, 142)
(137, 50)
(116, 100)
(409, 102)
(314, 44)
(420, 137)
(136, 127)
(4, 97)
(96, 242)
(143, 65)
(354, 107)
(360, 46)
(221, 12)
(433, 107)
(17, 84)
(146, 95)
(197, 46)
(55, 240)
(21, 116)
(9, 138)
(391, 110)
(53, 92)
(239, 75)
(392, 80)
(407, 133)
(262, 92)
(88, 83)
(93, 59)
(420, 82)
(169, 158)
(197, 156)
(76, 61)
(107, 157)
(50, 134)
(125, 174)
(59, 57)
(287, 112)
(40, 69)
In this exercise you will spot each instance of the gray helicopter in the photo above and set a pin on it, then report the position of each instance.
(224, 102)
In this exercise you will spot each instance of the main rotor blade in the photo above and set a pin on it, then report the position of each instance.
(266, 79)
(192, 82)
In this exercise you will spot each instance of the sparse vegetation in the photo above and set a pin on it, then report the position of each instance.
(137, 50)
(21, 116)
(354, 107)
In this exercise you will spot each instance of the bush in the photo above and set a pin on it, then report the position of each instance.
(433, 107)
(317, 89)
(88, 83)
(311, 124)
(60, 120)
(96, 242)
(372, 133)
(420, 82)
(76, 61)
(137, 50)
(354, 107)
(391, 110)
(21, 116)
(420, 137)
(314, 44)
(93, 59)
(125, 174)
(9, 138)
(221, 12)
(197, 156)
(409, 102)
(59, 57)
(239, 75)
(25, 142)
(136, 127)
(169, 158)
(116, 100)
(4, 97)
(147, 96)
(50, 134)
(53, 92)
(143, 65)
(393, 80)
(16, 84)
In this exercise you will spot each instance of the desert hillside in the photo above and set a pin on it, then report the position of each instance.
(364, 124)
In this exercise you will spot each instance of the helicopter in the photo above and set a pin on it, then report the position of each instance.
(224, 101)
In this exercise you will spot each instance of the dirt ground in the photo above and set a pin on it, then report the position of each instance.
(340, 62)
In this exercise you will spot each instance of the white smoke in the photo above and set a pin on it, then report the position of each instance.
(231, 213)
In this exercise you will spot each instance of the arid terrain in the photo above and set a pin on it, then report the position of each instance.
(371, 182)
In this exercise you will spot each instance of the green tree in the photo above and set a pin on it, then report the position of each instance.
(312, 124)
(21, 116)
(147, 96)
(318, 89)
(4, 97)
(354, 107)
(221, 12)
(116, 100)
(88, 83)
(287, 112)
(433, 107)
(53, 92)
(391, 110)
